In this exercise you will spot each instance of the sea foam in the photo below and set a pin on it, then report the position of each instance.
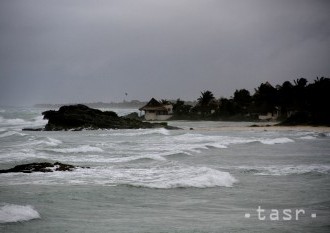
(176, 177)
(11, 133)
(79, 149)
(163, 175)
(15, 121)
(17, 213)
(136, 132)
(276, 141)
(309, 137)
(284, 170)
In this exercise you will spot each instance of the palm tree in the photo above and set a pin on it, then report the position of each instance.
(300, 82)
(165, 101)
(206, 98)
(206, 102)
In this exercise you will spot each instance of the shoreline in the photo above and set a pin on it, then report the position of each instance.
(251, 126)
(317, 129)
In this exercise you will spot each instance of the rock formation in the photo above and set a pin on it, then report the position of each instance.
(78, 117)
(40, 167)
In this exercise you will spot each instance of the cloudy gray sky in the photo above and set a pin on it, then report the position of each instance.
(61, 51)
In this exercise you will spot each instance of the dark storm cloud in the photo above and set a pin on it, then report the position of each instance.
(81, 51)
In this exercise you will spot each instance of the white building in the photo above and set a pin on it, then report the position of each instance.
(156, 111)
(270, 116)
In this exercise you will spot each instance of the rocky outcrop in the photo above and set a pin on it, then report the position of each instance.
(78, 117)
(134, 115)
(40, 167)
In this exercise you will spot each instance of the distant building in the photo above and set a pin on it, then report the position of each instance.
(156, 111)
(270, 116)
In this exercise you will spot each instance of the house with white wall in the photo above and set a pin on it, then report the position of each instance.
(156, 111)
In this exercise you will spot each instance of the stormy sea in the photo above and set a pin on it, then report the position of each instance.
(219, 177)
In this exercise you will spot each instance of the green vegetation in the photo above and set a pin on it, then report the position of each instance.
(294, 103)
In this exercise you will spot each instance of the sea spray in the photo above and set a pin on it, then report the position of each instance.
(17, 213)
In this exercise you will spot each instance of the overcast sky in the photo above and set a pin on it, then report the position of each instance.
(65, 51)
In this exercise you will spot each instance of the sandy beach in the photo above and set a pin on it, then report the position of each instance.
(246, 126)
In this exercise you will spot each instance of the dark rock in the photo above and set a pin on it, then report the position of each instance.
(134, 115)
(169, 127)
(40, 167)
(79, 117)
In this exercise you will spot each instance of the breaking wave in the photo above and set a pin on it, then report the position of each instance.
(164, 175)
(17, 213)
(308, 137)
(198, 141)
(15, 121)
(137, 132)
(11, 133)
(47, 141)
(276, 141)
(80, 149)
(190, 178)
(288, 170)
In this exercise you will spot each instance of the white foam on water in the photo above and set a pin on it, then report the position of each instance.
(161, 177)
(134, 158)
(308, 137)
(15, 121)
(276, 141)
(53, 141)
(11, 133)
(136, 132)
(164, 175)
(79, 149)
(327, 134)
(17, 213)
(285, 170)
(198, 141)
(38, 121)
(44, 141)
(103, 159)
(199, 178)
(21, 156)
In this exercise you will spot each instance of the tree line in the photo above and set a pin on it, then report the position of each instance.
(297, 102)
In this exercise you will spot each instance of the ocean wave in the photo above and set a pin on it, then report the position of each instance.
(79, 149)
(203, 141)
(309, 137)
(11, 133)
(288, 170)
(186, 178)
(22, 156)
(102, 159)
(136, 132)
(276, 141)
(14, 121)
(323, 135)
(163, 175)
(38, 121)
(17, 213)
(47, 141)
(134, 158)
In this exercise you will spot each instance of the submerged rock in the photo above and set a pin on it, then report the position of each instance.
(79, 117)
(40, 167)
(134, 115)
